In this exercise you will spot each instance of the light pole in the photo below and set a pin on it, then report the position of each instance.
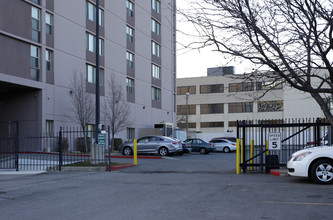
(187, 95)
(97, 75)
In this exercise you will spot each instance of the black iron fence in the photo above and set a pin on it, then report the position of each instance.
(267, 145)
(51, 151)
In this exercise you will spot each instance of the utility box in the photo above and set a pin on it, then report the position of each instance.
(271, 162)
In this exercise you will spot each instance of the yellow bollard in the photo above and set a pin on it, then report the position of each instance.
(135, 153)
(251, 153)
(237, 157)
(267, 152)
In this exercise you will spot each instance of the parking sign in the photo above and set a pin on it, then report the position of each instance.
(274, 141)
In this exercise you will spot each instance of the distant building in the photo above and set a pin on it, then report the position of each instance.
(216, 102)
(44, 42)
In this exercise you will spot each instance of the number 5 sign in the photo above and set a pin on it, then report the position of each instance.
(274, 141)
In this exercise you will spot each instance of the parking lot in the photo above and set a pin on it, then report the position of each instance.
(192, 186)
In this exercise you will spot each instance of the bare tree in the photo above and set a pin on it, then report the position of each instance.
(117, 111)
(83, 104)
(292, 39)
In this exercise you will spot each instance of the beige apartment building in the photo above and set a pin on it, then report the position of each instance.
(218, 100)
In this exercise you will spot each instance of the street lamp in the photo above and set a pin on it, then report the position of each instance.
(187, 95)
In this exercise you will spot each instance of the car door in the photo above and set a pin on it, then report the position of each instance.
(142, 144)
(189, 142)
(196, 145)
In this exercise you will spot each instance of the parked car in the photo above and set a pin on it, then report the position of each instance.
(199, 145)
(186, 148)
(315, 163)
(232, 139)
(323, 141)
(153, 144)
(223, 145)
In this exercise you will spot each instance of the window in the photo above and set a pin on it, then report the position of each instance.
(49, 128)
(215, 124)
(155, 48)
(91, 13)
(91, 75)
(155, 94)
(218, 88)
(129, 59)
(48, 59)
(48, 21)
(269, 85)
(130, 133)
(129, 34)
(35, 20)
(182, 90)
(181, 109)
(36, 2)
(232, 123)
(91, 44)
(270, 106)
(240, 107)
(156, 5)
(211, 108)
(241, 87)
(182, 125)
(155, 26)
(155, 70)
(129, 8)
(129, 85)
(34, 62)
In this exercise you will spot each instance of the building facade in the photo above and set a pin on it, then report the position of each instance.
(216, 102)
(44, 43)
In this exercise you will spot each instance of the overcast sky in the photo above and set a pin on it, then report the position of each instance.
(194, 63)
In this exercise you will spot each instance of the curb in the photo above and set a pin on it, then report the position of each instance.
(139, 157)
(279, 173)
(113, 168)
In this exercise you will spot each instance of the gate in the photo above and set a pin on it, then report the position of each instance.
(9, 143)
(259, 153)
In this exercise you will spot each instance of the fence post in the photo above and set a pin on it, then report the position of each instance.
(109, 146)
(261, 147)
(17, 146)
(60, 148)
(317, 137)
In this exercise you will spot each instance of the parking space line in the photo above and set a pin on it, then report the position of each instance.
(308, 187)
(299, 203)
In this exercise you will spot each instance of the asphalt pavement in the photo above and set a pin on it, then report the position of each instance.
(190, 187)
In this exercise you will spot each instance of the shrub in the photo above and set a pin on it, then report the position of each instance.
(80, 144)
(64, 145)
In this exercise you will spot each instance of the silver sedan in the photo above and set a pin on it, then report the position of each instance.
(223, 145)
(153, 144)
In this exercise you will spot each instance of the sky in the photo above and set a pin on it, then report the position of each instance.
(194, 63)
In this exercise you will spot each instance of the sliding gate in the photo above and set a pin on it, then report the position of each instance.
(266, 145)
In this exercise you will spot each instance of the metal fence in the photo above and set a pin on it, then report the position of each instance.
(257, 153)
(49, 151)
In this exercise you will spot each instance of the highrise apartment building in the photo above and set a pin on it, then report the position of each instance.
(43, 43)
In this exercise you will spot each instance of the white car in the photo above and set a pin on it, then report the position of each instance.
(314, 162)
(223, 145)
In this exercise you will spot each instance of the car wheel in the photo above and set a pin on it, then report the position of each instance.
(202, 150)
(322, 171)
(127, 151)
(163, 151)
(226, 150)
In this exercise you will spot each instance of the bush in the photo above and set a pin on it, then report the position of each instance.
(117, 142)
(80, 144)
(64, 145)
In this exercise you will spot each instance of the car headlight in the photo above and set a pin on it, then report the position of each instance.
(301, 156)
